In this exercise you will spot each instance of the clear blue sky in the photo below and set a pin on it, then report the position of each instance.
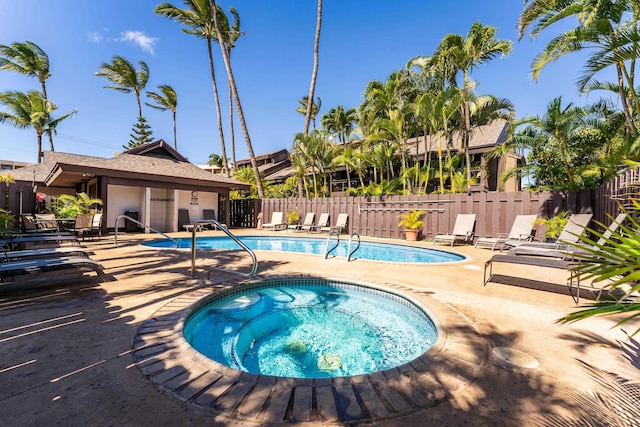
(361, 40)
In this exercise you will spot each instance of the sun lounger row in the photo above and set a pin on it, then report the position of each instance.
(564, 255)
(278, 223)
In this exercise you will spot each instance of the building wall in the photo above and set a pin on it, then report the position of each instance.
(121, 199)
(195, 202)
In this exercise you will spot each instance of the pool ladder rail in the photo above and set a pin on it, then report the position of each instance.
(350, 252)
(141, 225)
(196, 226)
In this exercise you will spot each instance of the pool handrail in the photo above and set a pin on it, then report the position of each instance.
(196, 226)
(142, 225)
(349, 251)
(327, 251)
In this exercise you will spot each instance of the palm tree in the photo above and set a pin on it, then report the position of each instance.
(555, 128)
(236, 97)
(198, 20)
(457, 54)
(340, 122)
(31, 109)
(315, 107)
(607, 28)
(229, 38)
(29, 59)
(125, 77)
(314, 74)
(167, 100)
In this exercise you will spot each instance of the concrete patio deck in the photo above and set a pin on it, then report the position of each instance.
(68, 344)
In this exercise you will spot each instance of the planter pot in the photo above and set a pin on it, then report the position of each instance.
(411, 235)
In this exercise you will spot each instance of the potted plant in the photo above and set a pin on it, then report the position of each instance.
(412, 223)
(555, 225)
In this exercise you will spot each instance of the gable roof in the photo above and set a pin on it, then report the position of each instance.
(157, 148)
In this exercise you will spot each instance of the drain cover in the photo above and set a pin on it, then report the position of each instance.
(515, 357)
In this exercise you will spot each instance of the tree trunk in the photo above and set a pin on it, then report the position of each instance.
(44, 95)
(175, 132)
(236, 97)
(225, 168)
(233, 135)
(314, 74)
(39, 148)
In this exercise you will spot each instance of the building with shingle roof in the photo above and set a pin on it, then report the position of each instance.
(152, 180)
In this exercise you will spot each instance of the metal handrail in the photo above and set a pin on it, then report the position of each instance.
(327, 251)
(142, 225)
(196, 225)
(349, 252)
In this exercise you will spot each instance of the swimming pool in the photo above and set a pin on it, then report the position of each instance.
(374, 251)
(310, 328)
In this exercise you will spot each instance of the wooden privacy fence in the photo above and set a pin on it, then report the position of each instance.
(495, 211)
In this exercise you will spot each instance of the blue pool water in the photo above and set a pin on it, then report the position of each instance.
(308, 245)
(310, 328)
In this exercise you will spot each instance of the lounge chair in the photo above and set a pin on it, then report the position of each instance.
(96, 227)
(13, 241)
(536, 261)
(277, 222)
(307, 224)
(341, 224)
(520, 230)
(184, 221)
(62, 251)
(569, 235)
(572, 250)
(34, 266)
(323, 223)
(28, 223)
(462, 230)
(209, 214)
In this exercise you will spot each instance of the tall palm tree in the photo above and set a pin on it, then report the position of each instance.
(125, 77)
(236, 97)
(315, 108)
(458, 54)
(167, 100)
(229, 38)
(29, 59)
(314, 74)
(198, 20)
(31, 109)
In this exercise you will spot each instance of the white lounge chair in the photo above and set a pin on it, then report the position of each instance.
(211, 214)
(520, 231)
(277, 222)
(341, 224)
(185, 222)
(569, 235)
(323, 223)
(572, 250)
(308, 222)
(462, 230)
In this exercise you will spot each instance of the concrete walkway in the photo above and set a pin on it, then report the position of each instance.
(67, 339)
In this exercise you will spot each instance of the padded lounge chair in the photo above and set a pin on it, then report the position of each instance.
(211, 214)
(307, 224)
(570, 234)
(462, 230)
(277, 222)
(520, 230)
(46, 222)
(35, 266)
(323, 223)
(573, 250)
(62, 251)
(83, 225)
(11, 242)
(28, 223)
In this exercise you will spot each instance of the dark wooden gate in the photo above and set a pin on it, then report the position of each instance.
(243, 212)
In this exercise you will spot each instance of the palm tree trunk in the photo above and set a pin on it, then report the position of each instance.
(44, 95)
(39, 148)
(233, 134)
(175, 132)
(236, 97)
(225, 168)
(314, 74)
